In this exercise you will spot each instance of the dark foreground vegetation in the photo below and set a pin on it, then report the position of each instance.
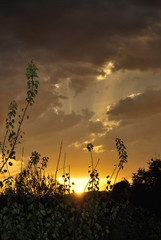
(33, 206)
(127, 212)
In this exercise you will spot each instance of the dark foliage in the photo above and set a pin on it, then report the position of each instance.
(135, 223)
(146, 187)
(121, 191)
(92, 216)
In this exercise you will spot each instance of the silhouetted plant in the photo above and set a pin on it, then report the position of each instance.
(93, 183)
(66, 186)
(44, 162)
(123, 159)
(30, 179)
(122, 155)
(109, 179)
(13, 137)
(90, 149)
(66, 182)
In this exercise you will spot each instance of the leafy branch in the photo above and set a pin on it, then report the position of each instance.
(123, 159)
(11, 136)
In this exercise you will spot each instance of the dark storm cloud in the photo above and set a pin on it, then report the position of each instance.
(89, 31)
(140, 107)
(72, 39)
(51, 121)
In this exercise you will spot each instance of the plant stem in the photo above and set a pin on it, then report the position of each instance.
(61, 144)
(64, 168)
(117, 175)
(69, 178)
(113, 173)
(92, 161)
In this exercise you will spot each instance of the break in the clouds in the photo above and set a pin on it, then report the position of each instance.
(93, 56)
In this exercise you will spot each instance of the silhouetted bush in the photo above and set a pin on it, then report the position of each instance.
(121, 191)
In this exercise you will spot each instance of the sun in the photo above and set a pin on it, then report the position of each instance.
(79, 184)
(78, 190)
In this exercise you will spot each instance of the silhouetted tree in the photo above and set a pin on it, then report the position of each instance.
(146, 187)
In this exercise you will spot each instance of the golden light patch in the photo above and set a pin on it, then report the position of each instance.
(98, 148)
(79, 190)
(105, 71)
(57, 86)
(133, 95)
(108, 107)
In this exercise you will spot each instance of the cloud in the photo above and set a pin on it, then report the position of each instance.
(139, 107)
(76, 38)
(52, 122)
(51, 126)
(96, 127)
(97, 36)
(73, 42)
(138, 126)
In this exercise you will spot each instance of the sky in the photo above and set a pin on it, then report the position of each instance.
(100, 79)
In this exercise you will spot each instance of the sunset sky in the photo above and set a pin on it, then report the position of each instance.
(100, 79)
